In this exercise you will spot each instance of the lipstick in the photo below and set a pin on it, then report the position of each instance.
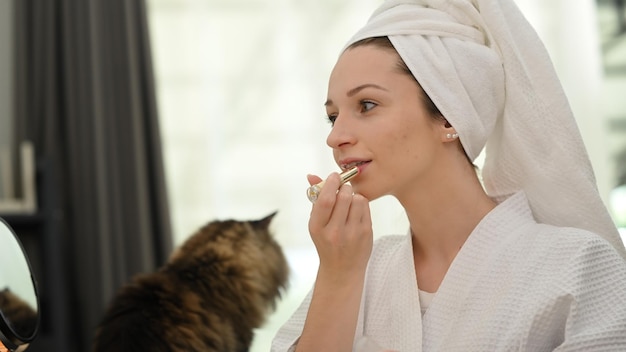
(313, 192)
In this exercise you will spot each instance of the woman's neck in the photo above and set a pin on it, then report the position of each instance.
(445, 224)
(441, 220)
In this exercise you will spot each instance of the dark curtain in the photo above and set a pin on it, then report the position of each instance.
(86, 99)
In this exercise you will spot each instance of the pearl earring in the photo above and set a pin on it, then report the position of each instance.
(452, 135)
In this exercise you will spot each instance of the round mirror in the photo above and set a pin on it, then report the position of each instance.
(19, 306)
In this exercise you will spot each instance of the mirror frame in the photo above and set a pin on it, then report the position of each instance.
(7, 334)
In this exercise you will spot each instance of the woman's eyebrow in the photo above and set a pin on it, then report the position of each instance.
(355, 90)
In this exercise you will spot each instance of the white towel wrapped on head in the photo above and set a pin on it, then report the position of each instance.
(488, 72)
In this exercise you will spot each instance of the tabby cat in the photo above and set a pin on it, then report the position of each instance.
(210, 295)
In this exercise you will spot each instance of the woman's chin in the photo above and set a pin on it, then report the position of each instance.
(368, 195)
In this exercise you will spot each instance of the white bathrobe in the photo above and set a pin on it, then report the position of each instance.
(516, 285)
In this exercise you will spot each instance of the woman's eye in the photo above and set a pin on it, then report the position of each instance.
(367, 105)
(331, 119)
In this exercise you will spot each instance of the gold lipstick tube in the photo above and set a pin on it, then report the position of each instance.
(313, 192)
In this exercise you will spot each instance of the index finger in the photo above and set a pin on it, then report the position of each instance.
(313, 179)
(325, 202)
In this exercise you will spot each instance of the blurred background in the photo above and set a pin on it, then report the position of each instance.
(149, 118)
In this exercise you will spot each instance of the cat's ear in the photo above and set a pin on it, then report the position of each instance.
(265, 222)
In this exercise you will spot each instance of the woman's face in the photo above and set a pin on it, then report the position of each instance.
(379, 122)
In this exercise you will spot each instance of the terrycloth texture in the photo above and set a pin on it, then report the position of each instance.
(489, 74)
(515, 286)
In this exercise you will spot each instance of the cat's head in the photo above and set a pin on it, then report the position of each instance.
(246, 248)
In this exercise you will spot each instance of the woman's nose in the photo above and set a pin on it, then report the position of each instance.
(341, 134)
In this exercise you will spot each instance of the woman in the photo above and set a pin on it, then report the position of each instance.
(529, 262)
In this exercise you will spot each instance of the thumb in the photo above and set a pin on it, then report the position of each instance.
(313, 179)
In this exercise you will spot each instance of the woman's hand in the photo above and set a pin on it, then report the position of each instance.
(341, 229)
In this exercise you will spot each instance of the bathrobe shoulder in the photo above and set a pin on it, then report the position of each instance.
(515, 285)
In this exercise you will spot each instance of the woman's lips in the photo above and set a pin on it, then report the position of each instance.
(362, 166)
(351, 164)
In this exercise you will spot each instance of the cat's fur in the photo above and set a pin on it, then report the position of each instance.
(210, 296)
(21, 315)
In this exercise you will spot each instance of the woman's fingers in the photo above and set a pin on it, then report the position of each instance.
(339, 217)
(313, 179)
(323, 207)
(341, 210)
(364, 211)
(340, 223)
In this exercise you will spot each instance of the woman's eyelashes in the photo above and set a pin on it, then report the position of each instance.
(331, 119)
(364, 106)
